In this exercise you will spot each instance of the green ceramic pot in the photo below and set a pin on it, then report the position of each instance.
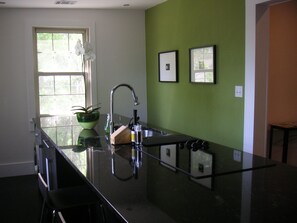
(87, 138)
(88, 120)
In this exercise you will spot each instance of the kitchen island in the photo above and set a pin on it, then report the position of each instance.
(175, 182)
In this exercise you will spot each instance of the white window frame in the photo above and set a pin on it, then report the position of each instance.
(88, 84)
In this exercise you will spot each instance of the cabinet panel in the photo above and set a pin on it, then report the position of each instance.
(47, 163)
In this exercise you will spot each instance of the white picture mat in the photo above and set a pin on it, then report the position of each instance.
(167, 66)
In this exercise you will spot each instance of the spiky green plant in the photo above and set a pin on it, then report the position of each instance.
(87, 110)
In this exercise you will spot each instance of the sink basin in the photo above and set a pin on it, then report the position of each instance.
(148, 132)
(165, 140)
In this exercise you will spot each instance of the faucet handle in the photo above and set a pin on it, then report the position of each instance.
(136, 102)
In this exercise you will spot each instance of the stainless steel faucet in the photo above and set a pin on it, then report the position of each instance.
(135, 98)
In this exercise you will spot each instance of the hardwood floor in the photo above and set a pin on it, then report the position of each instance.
(20, 201)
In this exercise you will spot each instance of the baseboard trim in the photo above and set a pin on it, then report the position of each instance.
(17, 169)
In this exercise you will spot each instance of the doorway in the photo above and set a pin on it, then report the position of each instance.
(282, 79)
(257, 75)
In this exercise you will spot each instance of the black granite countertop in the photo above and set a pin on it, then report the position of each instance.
(175, 183)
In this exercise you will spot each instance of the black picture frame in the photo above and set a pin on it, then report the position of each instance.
(203, 64)
(168, 66)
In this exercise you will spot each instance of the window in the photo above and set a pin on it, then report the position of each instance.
(59, 71)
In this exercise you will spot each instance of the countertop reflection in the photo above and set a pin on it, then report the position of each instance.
(173, 183)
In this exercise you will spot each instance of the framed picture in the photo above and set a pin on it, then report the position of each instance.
(201, 168)
(168, 66)
(168, 156)
(203, 64)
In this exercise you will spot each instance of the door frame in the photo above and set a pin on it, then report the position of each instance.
(256, 75)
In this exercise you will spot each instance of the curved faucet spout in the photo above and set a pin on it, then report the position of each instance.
(135, 99)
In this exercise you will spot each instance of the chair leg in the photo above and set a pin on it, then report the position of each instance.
(42, 211)
(102, 212)
(54, 216)
(91, 214)
(60, 218)
(96, 214)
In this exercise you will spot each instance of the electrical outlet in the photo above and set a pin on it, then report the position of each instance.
(238, 91)
(237, 155)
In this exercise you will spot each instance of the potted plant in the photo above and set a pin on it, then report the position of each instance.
(87, 117)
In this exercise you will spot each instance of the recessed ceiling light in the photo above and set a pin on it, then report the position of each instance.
(65, 2)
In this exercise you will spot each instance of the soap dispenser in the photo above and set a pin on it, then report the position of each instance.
(135, 118)
(107, 125)
(133, 126)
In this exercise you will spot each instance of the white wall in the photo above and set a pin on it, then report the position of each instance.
(119, 37)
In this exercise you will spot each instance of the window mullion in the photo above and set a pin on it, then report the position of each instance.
(54, 85)
(59, 74)
(53, 47)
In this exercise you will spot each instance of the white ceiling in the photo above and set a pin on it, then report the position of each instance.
(98, 4)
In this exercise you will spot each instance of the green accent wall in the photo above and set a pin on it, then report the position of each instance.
(207, 111)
